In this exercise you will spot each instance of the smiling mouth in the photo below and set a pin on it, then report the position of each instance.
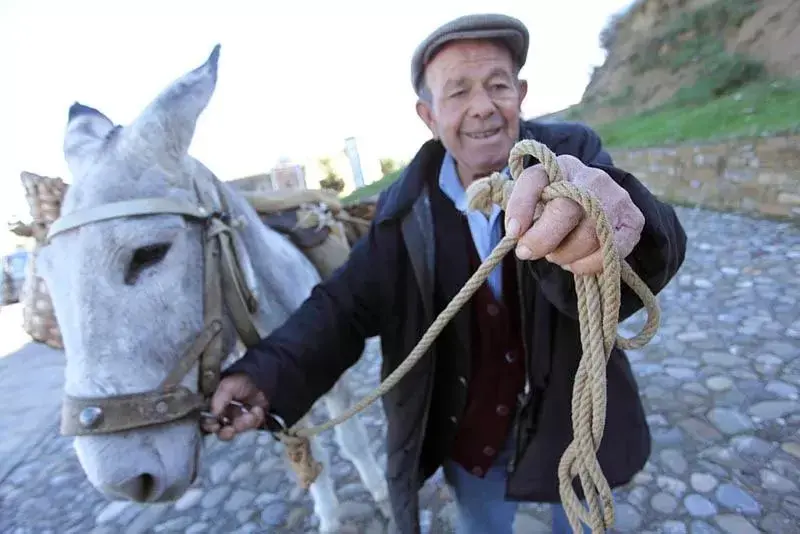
(484, 134)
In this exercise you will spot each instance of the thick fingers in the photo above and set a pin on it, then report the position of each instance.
(628, 234)
(210, 426)
(591, 264)
(626, 220)
(225, 393)
(580, 243)
(559, 217)
(226, 433)
(249, 420)
(225, 405)
(522, 204)
(258, 413)
(246, 421)
(242, 422)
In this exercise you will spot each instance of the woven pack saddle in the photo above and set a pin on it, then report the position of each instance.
(312, 220)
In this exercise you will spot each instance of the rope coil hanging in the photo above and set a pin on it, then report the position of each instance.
(598, 299)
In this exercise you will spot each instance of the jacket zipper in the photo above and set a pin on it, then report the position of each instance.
(524, 398)
(428, 311)
(523, 325)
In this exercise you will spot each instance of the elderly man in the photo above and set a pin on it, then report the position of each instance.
(490, 402)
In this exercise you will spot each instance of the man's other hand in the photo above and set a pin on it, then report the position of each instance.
(236, 388)
(562, 233)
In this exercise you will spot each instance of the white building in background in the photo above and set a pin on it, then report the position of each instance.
(288, 175)
(351, 151)
(284, 175)
(307, 173)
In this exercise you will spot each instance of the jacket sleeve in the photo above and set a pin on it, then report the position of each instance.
(656, 258)
(302, 359)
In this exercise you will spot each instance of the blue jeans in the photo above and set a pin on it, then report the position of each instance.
(480, 502)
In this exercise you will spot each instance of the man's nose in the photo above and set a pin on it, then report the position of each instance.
(481, 105)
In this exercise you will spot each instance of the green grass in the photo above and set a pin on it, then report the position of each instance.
(756, 109)
(372, 189)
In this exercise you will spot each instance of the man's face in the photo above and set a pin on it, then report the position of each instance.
(475, 105)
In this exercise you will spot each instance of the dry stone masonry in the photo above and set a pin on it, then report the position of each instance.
(756, 176)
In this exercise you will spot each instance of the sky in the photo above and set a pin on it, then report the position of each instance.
(295, 78)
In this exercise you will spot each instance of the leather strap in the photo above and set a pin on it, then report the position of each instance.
(193, 354)
(170, 402)
(211, 359)
(82, 416)
(125, 208)
(241, 303)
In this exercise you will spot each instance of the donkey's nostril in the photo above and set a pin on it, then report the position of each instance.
(140, 488)
(148, 483)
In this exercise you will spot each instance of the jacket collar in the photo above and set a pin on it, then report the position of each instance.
(401, 195)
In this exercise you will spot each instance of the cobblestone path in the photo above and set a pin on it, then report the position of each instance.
(720, 383)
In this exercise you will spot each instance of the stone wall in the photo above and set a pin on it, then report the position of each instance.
(758, 176)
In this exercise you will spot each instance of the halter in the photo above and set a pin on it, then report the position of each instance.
(224, 286)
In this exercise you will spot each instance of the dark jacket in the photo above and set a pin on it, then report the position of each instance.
(387, 288)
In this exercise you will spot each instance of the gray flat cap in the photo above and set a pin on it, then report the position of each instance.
(507, 30)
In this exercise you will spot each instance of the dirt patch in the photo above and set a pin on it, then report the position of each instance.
(660, 48)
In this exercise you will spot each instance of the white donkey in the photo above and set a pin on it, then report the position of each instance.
(128, 272)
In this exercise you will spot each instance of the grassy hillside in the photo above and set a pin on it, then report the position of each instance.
(754, 110)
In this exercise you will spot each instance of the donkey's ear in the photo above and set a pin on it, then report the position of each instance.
(86, 133)
(167, 125)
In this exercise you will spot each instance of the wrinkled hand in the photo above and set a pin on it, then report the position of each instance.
(561, 233)
(236, 387)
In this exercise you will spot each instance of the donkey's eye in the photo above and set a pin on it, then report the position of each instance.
(143, 258)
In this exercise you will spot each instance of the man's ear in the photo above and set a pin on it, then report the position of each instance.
(522, 87)
(426, 114)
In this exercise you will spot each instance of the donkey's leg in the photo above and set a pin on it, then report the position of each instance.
(326, 504)
(354, 445)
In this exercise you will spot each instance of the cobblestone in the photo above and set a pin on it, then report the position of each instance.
(720, 385)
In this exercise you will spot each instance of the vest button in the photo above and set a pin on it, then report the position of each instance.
(493, 310)
(510, 358)
(462, 380)
(489, 451)
(502, 410)
(453, 419)
(477, 471)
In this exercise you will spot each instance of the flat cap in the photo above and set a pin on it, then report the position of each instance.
(503, 28)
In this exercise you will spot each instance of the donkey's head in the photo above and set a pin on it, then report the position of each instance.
(128, 291)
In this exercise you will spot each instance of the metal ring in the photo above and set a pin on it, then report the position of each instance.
(278, 424)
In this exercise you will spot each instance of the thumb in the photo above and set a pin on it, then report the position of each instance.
(225, 393)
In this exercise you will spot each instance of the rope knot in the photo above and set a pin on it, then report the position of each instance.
(298, 449)
(485, 192)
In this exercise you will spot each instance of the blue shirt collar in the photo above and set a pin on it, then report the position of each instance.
(451, 185)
